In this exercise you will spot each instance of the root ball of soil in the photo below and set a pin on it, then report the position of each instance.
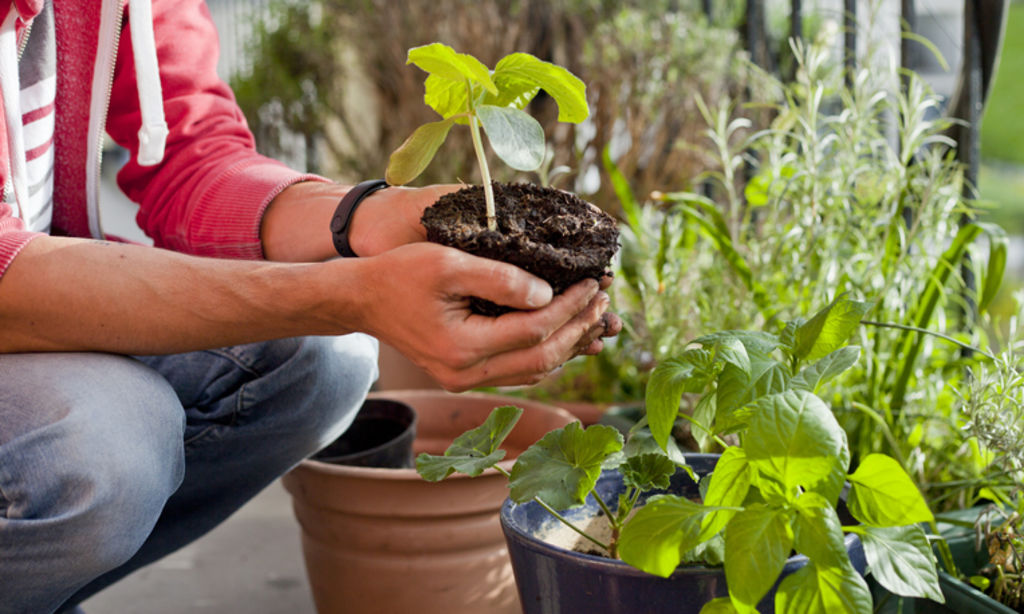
(553, 234)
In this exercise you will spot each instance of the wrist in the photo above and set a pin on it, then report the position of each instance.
(341, 222)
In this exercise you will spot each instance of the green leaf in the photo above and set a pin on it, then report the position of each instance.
(517, 138)
(814, 376)
(737, 388)
(728, 487)
(794, 438)
(829, 329)
(474, 450)
(818, 533)
(719, 605)
(515, 70)
(642, 442)
(443, 61)
(901, 560)
(654, 539)
(409, 160)
(757, 544)
(823, 590)
(689, 372)
(996, 265)
(647, 471)
(562, 468)
(447, 97)
(883, 495)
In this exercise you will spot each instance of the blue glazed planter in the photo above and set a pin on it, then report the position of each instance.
(553, 580)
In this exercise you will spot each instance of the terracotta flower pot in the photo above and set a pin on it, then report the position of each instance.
(385, 540)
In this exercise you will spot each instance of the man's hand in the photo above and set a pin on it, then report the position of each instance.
(417, 300)
(390, 218)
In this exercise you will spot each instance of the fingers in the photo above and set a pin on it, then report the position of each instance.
(531, 364)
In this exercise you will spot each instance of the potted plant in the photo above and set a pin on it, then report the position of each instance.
(774, 490)
(550, 233)
(385, 540)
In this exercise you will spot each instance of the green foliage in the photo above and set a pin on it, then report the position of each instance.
(474, 450)
(776, 491)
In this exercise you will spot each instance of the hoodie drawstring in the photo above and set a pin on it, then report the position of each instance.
(10, 88)
(153, 133)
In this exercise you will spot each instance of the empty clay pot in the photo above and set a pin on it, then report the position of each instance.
(385, 540)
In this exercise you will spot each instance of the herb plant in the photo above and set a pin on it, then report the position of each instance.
(775, 491)
(464, 91)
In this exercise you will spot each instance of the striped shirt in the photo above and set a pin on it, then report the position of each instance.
(37, 73)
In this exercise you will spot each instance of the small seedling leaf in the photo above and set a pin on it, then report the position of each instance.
(517, 138)
(443, 61)
(409, 160)
(519, 74)
(563, 466)
(473, 451)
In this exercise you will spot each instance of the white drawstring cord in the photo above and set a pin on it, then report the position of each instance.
(153, 133)
(10, 88)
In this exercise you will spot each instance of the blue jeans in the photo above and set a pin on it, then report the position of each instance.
(108, 463)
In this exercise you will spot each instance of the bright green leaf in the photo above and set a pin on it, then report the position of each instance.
(794, 438)
(563, 466)
(901, 560)
(443, 61)
(517, 138)
(883, 495)
(818, 533)
(814, 376)
(515, 70)
(409, 160)
(757, 543)
(447, 97)
(689, 372)
(728, 487)
(656, 536)
(474, 450)
(823, 590)
(829, 329)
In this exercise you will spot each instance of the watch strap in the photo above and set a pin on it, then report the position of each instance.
(343, 214)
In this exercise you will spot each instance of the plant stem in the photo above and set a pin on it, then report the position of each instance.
(485, 171)
(562, 518)
(925, 331)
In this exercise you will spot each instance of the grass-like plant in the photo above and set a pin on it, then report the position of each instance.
(462, 90)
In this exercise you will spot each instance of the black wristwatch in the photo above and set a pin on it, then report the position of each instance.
(343, 214)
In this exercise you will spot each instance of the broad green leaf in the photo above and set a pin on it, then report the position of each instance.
(642, 442)
(757, 544)
(409, 160)
(818, 533)
(515, 69)
(829, 329)
(733, 352)
(883, 495)
(794, 438)
(728, 487)
(823, 590)
(901, 560)
(812, 377)
(563, 466)
(704, 417)
(737, 388)
(648, 471)
(474, 450)
(443, 61)
(719, 605)
(447, 97)
(689, 372)
(754, 341)
(517, 138)
(654, 539)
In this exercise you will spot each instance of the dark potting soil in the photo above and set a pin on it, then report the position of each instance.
(553, 234)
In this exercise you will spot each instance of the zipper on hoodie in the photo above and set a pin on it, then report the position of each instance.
(107, 43)
(8, 189)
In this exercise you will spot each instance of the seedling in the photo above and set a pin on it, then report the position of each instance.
(775, 492)
(464, 91)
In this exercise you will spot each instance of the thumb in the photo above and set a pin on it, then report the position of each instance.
(501, 283)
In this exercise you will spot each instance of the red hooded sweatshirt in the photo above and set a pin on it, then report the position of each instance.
(208, 190)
